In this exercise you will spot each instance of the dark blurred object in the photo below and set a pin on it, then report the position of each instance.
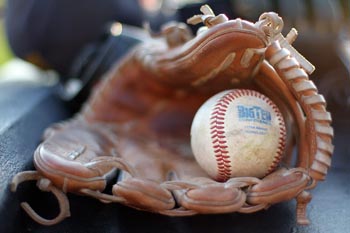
(51, 33)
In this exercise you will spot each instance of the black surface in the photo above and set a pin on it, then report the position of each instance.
(26, 109)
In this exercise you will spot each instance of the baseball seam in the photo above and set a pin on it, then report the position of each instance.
(217, 132)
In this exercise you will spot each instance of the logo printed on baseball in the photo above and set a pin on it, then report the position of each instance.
(238, 133)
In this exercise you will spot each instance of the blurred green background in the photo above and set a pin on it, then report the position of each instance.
(5, 52)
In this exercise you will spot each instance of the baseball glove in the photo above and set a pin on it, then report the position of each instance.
(137, 121)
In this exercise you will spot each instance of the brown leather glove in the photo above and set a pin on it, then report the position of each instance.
(137, 123)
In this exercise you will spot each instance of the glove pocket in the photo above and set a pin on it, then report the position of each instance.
(283, 185)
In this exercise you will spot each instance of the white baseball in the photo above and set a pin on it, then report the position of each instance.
(238, 133)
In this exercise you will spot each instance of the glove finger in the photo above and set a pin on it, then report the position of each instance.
(279, 186)
(66, 157)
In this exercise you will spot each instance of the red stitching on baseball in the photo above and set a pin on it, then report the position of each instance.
(218, 133)
(219, 145)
